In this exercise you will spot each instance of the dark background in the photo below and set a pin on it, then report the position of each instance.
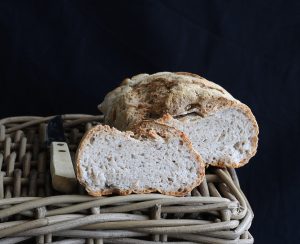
(61, 57)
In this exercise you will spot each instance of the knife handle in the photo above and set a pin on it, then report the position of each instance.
(61, 167)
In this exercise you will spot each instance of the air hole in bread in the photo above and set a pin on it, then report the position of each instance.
(222, 136)
(92, 140)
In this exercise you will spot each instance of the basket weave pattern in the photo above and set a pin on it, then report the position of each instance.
(30, 209)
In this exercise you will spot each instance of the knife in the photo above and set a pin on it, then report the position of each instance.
(61, 166)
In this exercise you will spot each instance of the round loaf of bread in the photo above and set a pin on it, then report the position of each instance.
(222, 129)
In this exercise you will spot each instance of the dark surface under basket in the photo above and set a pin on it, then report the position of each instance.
(30, 210)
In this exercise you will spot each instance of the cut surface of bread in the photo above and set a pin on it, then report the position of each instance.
(224, 138)
(155, 158)
(222, 129)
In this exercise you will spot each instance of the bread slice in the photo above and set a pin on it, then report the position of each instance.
(155, 157)
(222, 129)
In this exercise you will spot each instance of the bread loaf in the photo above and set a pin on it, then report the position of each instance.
(155, 157)
(222, 129)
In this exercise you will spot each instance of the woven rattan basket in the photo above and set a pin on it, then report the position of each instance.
(30, 210)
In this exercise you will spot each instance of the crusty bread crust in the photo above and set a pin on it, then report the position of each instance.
(149, 130)
(152, 96)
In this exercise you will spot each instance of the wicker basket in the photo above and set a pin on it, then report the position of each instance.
(30, 209)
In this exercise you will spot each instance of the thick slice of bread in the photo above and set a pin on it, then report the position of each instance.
(221, 128)
(156, 157)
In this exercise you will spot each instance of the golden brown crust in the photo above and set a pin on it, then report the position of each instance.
(147, 129)
(150, 96)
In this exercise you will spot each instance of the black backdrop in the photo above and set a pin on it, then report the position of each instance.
(64, 56)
